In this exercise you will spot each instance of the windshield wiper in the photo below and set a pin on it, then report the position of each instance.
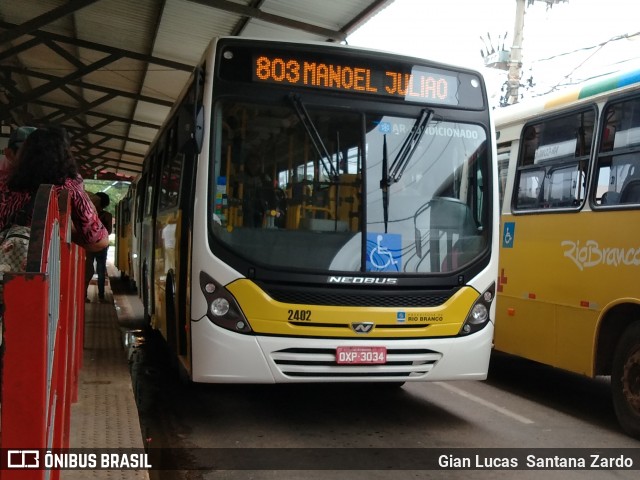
(314, 135)
(409, 146)
(385, 183)
(394, 174)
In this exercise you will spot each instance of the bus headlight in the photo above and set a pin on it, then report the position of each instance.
(478, 316)
(223, 309)
(220, 307)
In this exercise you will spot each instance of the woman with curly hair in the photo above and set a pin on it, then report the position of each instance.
(45, 158)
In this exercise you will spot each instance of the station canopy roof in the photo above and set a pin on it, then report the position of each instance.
(110, 70)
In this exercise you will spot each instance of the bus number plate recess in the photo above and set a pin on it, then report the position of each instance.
(361, 355)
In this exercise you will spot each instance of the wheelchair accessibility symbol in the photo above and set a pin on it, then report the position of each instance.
(508, 234)
(384, 252)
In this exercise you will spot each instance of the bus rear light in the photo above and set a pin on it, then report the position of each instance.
(478, 316)
(223, 309)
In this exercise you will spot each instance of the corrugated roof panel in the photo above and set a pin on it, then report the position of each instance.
(165, 84)
(176, 30)
(119, 23)
(124, 74)
(332, 14)
(260, 29)
(43, 60)
(98, 142)
(151, 113)
(120, 106)
(187, 28)
(19, 12)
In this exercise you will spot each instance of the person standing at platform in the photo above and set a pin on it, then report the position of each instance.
(45, 157)
(101, 202)
(17, 137)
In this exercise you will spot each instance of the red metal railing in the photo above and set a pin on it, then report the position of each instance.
(43, 337)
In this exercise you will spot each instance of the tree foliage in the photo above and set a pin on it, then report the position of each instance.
(115, 189)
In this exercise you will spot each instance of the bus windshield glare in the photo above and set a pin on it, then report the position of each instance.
(299, 186)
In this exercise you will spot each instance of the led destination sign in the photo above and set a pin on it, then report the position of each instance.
(418, 85)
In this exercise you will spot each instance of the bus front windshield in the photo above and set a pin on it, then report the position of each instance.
(297, 186)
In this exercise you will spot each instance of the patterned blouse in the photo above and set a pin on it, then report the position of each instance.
(83, 213)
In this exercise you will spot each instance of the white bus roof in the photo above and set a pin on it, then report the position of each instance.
(587, 91)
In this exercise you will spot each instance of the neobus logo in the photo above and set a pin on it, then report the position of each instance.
(362, 327)
(364, 280)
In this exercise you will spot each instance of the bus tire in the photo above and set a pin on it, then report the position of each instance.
(625, 380)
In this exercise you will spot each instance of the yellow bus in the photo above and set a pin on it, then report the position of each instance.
(124, 255)
(570, 251)
(312, 212)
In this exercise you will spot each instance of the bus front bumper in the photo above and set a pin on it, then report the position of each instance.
(221, 356)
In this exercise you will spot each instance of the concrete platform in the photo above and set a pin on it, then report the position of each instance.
(106, 415)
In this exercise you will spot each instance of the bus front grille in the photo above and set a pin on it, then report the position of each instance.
(320, 363)
(353, 297)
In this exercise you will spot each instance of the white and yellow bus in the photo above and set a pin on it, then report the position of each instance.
(568, 291)
(319, 213)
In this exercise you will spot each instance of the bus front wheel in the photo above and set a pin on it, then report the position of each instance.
(625, 380)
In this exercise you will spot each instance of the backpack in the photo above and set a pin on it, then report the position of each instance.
(14, 244)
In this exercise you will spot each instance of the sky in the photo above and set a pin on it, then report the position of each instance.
(564, 44)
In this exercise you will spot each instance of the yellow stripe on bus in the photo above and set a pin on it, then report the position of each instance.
(562, 99)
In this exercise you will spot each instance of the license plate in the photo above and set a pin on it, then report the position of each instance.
(361, 355)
